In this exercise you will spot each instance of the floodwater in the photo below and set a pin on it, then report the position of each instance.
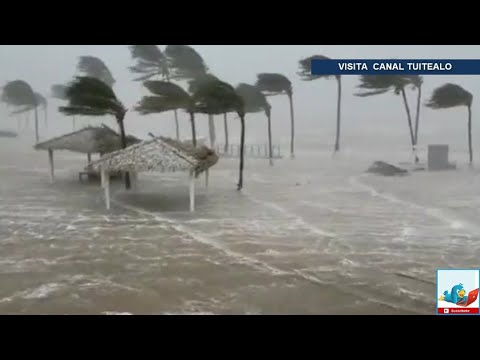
(313, 235)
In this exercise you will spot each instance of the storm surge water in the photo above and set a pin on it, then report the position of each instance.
(313, 235)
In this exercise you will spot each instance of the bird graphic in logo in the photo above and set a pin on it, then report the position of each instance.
(459, 296)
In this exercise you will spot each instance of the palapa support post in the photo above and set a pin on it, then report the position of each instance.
(206, 178)
(103, 177)
(89, 158)
(51, 164)
(106, 187)
(192, 191)
(134, 179)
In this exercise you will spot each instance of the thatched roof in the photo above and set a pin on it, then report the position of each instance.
(159, 154)
(93, 140)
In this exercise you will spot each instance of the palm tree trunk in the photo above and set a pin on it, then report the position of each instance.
(292, 127)
(37, 137)
(409, 118)
(470, 147)
(194, 130)
(177, 125)
(242, 152)
(123, 139)
(225, 125)
(339, 113)
(73, 123)
(211, 130)
(417, 120)
(270, 148)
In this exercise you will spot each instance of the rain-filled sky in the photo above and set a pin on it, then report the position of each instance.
(44, 65)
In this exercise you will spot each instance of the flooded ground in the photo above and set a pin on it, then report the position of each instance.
(313, 235)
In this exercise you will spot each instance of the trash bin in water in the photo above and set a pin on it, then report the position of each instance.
(438, 158)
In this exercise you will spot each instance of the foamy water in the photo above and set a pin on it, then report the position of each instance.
(314, 235)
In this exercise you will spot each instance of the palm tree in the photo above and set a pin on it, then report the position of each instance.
(278, 84)
(193, 86)
(152, 62)
(381, 84)
(255, 101)
(449, 96)
(185, 63)
(90, 96)
(166, 97)
(92, 66)
(306, 75)
(218, 97)
(21, 96)
(42, 102)
(59, 91)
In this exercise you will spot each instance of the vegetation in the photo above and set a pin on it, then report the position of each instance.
(168, 96)
(218, 97)
(255, 101)
(306, 75)
(20, 95)
(449, 96)
(89, 96)
(278, 84)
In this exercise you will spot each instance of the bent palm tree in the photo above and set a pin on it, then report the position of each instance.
(381, 84)
(218, 97)
(152, 62)
(255, 101)
(193, 86)
(306, 75)
(43, 103)
(93, 67)
(20, 95)
(449, 96)
(185, 63)
(59, 91)
(278, 84)
(92, 97)
(167, 97)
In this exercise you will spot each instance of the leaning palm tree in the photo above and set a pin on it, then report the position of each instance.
(93, 67)
(92, 97)
(278, 84)
(59, 91)
(381, 84)
(20, 95)
(186, 64)
(306, 75)
(43, 103)
(193, 86)
(449, 96)
(166, 97)
(255, 101)
(151, 62)
(417, 82)
(216, 98)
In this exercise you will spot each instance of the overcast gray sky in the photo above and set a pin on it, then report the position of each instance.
(44, 65)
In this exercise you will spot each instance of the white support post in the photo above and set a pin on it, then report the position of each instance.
(192, 191)
(52, 168)
(103, 176)
(107, 190)
(206, 178)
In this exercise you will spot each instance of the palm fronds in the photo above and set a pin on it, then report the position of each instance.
(184, 62)
(448, 96)
(92, 66)
(150, 61)
(167, 96)
(273, 84)
(305, 65)
(254, 100)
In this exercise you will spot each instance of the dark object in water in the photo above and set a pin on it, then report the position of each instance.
(8, 134)
(385, 169)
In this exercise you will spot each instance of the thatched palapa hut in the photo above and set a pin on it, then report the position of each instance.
(89, 140)
(159, 154)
